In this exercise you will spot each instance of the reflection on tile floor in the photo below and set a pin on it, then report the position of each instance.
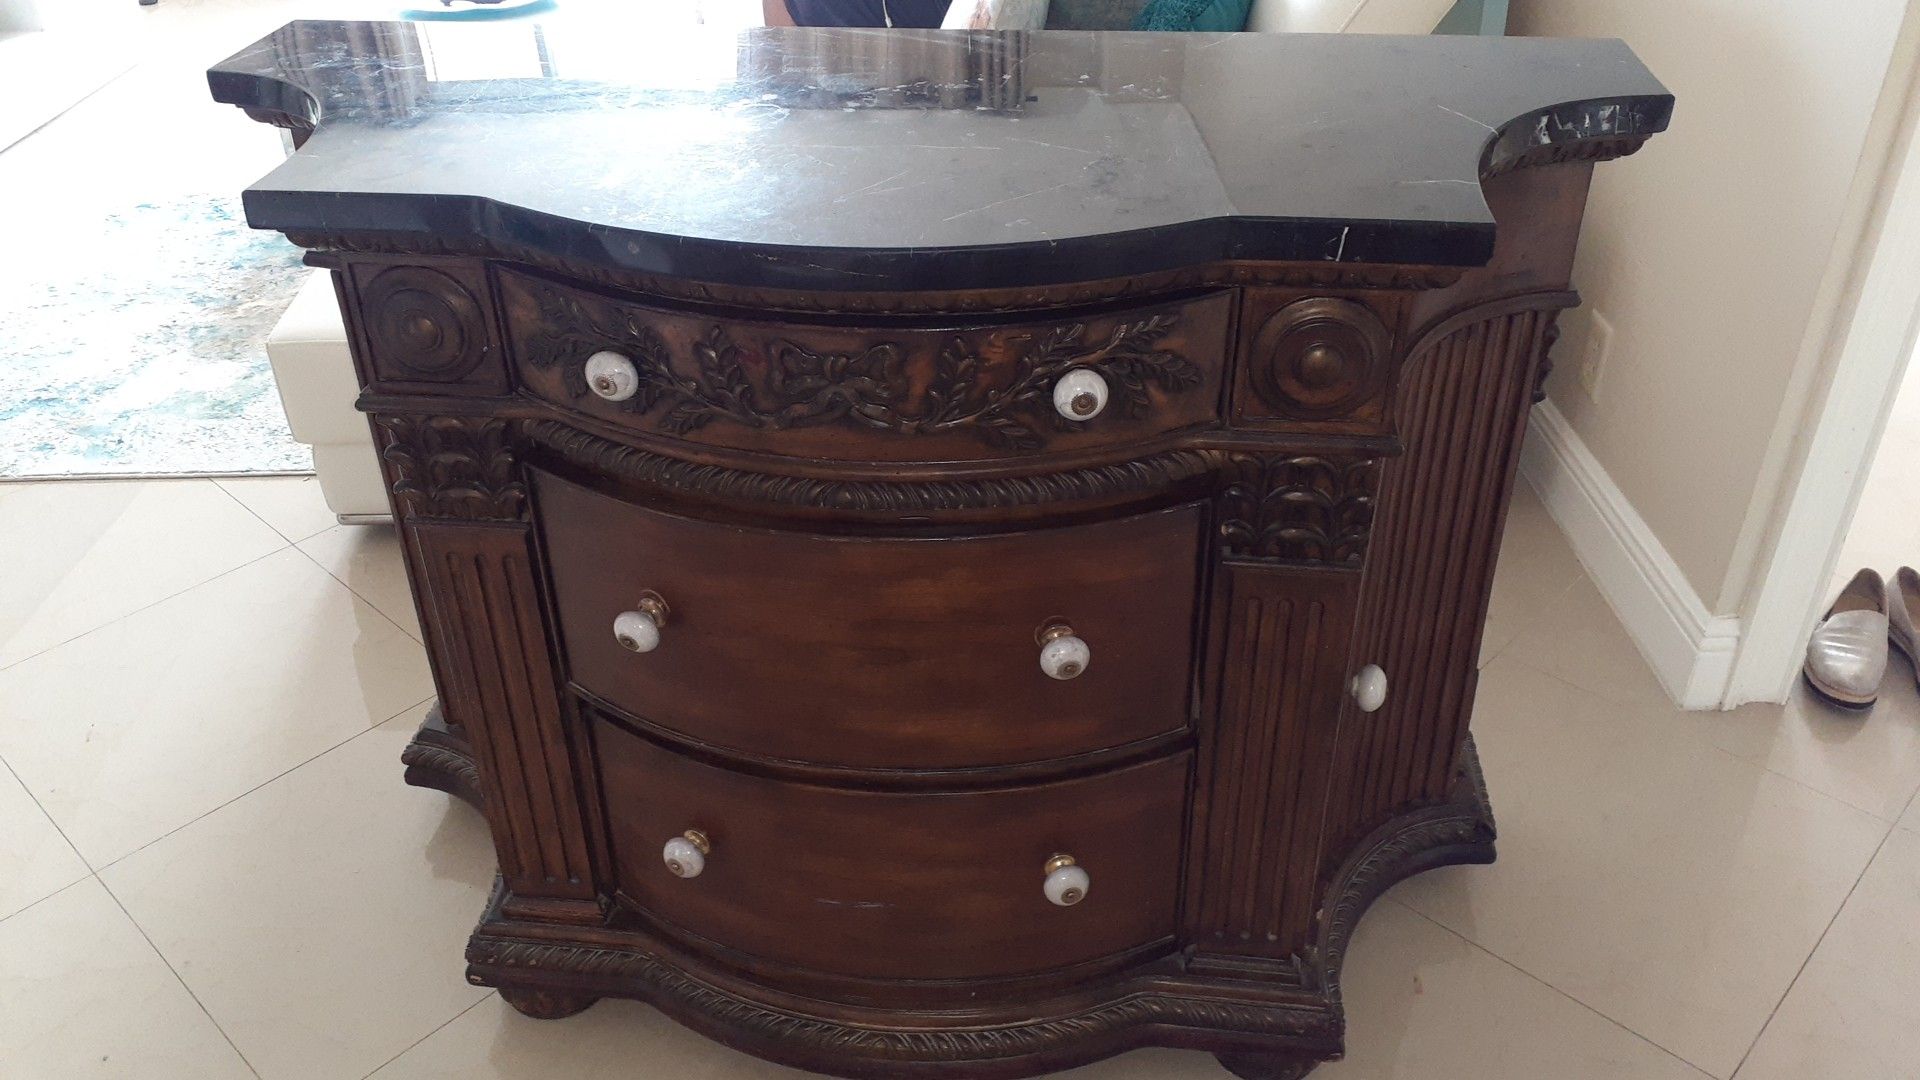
(223, 876)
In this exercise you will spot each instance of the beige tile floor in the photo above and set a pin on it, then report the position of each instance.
(209, 866)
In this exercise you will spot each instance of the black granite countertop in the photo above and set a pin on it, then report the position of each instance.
(894, 159)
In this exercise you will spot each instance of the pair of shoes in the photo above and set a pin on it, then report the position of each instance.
(1847, 655)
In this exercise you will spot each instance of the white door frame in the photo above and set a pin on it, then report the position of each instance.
(1866, 343)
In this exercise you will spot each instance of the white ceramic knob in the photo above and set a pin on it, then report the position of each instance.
(636, 631)
(1369, 688)
(1080, 394)
(1062, 655)
(686, 854)
(612, 376)
(639, 630)
(1066, 883)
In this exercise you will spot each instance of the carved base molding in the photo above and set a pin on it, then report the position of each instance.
(548, 971)
(1458, 831)
(546, 1004)
(1265, 1066)
(440, 758)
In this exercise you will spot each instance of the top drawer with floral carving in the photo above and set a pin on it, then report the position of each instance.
(953, 388)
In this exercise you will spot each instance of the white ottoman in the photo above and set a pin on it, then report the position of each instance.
(314, 371)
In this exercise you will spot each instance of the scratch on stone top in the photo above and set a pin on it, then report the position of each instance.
(1464, 116)
(1005, 201)
(870, 187)
(1058, 146)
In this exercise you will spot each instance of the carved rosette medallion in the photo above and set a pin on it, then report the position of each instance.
(1311, 509)
(454, 467)
(1316, 359)
(422, 324)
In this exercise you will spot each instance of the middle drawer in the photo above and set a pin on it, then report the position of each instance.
(879, 652)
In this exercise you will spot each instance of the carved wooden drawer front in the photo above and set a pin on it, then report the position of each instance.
(959, 390)
(881, 653)
(915, 885)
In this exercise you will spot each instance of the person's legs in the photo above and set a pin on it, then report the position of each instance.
(920, 13)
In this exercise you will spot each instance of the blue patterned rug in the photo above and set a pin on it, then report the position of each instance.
(142, 349)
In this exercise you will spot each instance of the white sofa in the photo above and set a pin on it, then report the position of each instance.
(315, 372)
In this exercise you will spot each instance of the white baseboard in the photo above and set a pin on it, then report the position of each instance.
(1690, 649)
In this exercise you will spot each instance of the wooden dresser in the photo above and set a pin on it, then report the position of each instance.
(947, 554)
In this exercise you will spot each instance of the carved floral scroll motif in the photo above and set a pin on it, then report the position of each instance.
(881, 386)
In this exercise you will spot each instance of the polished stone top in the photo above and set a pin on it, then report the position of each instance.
(894, 159)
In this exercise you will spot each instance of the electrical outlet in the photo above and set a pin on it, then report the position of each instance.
(1593, 359)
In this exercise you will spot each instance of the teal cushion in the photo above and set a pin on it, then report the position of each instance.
(1207, 16)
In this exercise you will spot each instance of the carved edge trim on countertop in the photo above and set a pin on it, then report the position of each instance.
(620, 969)
(1460, 830)
(870, 388)
(1308, 508)
(462, 467)
(1139, 476)
(1560, 153)
(1309, 275)
(298, 127)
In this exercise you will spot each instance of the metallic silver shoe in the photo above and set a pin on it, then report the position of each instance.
(1903, 609)
(1847, 655)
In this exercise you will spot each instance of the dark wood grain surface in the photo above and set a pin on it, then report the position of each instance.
(881, 652)
(909, 886)
(847, 697)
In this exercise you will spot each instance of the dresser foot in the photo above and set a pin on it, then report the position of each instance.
(1266, 1066)
(440, 758)
(547, 1004)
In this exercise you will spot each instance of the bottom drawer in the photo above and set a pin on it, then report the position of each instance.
(908, 885)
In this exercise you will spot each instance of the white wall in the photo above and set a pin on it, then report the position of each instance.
(1706, 253)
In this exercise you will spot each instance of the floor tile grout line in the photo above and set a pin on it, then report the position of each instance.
(408, 634)
(403, 1050)
(295, 544)
(257, 516)
(211, 1019)
(144, 607)
(1808, 959)
(1543, 982)
(1796, 781)
(1723, 751)
(88, 876)
(118, 859)
(57, 117)
(1902, 816)
(1520, 632)
(71, 846)
(37, 805)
